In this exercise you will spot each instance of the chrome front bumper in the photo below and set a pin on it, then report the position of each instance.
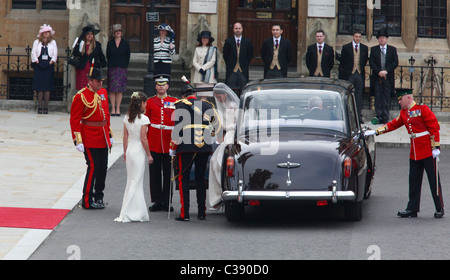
(334, 196)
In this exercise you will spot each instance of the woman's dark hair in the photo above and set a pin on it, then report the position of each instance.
(135, 107)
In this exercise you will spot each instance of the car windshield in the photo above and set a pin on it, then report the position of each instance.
(293, 108)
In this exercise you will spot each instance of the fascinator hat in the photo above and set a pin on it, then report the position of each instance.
(45, 28)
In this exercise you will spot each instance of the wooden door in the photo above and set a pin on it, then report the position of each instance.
(257, 18)
(131, 14)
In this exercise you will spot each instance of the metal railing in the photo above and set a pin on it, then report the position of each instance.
(16, 76)
(429, 83)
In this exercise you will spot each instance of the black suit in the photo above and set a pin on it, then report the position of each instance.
(356, 78)
(284, 54)
(230, 55)
(383, 87)
(327, 59)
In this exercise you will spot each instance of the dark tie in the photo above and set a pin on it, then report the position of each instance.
(276, 43)
(356, 48)
(237, 43)
(320, 49)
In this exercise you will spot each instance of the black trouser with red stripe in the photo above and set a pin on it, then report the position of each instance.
(185, 161)
(94, 182)
(416, 168)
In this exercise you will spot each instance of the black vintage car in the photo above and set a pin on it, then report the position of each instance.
(298, 140)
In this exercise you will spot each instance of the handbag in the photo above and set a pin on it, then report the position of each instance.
(74, 61)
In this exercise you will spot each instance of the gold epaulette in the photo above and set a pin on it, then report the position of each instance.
(209, 103)
(184, 100)
(80, 91)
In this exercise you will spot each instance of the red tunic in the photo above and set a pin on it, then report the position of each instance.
(90, 118)
(417, 119)
(160, 111)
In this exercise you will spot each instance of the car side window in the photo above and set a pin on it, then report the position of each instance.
(351, 110)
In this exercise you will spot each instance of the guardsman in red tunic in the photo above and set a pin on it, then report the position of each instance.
(90, 125)
(159, 110)
(423, 129)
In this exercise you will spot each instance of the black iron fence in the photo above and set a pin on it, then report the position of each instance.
(16, 76)
(429, 83)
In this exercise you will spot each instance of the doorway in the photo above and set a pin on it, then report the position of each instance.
(131, 14)
(257, 18)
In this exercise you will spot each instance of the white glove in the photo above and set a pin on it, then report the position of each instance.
(80, 147)
(111, 140)
(369, 132)
(436, 153)
(172, 153)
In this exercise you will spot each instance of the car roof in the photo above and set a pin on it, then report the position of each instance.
(342, 86)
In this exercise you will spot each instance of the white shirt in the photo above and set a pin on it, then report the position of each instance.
(279, 40)
(238, 38)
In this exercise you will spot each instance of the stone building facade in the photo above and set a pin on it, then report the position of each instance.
(408, 19)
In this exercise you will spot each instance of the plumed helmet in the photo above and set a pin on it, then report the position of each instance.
(95, 72)
(187, 90)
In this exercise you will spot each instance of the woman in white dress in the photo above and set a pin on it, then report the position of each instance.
(227, 107)
(136, 154)
(204, 63)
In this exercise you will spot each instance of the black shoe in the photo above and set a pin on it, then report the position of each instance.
(155, 207)
(45, 111)
(165, 208)
(101, 203)
(39, 111)
(439, 214)
(406, 214)
(201, 217)
(182, 219)
(94, 206)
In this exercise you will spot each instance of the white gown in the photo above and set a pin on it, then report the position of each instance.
(134, 208)
(215, 163)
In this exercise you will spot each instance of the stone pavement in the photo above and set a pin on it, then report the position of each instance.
(40, 168)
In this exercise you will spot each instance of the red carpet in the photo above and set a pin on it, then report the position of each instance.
(35, 218)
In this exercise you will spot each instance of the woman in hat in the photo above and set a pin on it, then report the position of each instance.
(164, 47)
(88, 48)
(118, 56)
(205, 63)
(43, 55)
